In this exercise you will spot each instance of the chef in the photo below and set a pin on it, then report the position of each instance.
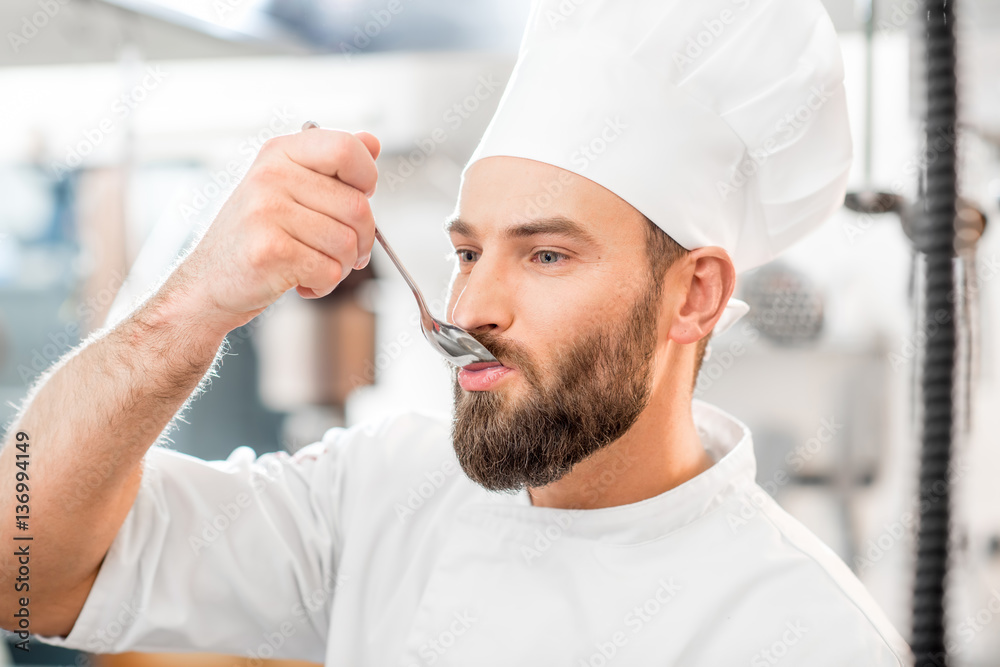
(581, 508)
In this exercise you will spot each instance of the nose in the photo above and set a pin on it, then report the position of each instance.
(481, 299)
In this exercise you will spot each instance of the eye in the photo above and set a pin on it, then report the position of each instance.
(549, 256)
(465, 255)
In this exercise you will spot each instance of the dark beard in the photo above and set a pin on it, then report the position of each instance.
(598, 391)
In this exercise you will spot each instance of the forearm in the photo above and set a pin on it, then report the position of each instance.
(92, 418)
(89, 423)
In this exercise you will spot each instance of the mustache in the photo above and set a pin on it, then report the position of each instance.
(507, 352)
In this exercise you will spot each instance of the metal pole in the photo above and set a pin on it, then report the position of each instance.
(935, 238)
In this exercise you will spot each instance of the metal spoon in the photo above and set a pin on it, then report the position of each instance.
(454, 343)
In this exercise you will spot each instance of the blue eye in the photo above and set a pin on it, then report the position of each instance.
(466, 255)
(548, 256)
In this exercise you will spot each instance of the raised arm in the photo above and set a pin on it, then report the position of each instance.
(300, 218)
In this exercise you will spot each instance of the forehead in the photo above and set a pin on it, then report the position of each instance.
(499, 191)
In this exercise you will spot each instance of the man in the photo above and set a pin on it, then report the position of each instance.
(581, 509)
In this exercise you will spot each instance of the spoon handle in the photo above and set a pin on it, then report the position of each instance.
(402, 270)
(425, 314)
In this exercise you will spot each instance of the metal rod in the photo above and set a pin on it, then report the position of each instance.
(935, 238)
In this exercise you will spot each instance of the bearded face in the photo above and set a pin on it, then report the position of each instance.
(584, 399)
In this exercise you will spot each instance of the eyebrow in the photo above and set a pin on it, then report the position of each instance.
(558, 225)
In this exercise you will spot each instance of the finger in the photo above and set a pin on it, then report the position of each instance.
(371, 142)
(375, 148)
(336, 200)
(333, 153)
(326, 235)
(308, 292)
(373, 145)
(316, 273)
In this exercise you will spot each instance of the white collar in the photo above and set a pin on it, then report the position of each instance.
(723, 436)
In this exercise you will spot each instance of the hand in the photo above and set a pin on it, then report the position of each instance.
(299, 218)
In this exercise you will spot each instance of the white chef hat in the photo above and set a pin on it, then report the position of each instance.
(722, 121)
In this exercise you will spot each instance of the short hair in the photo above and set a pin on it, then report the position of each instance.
(662, 251)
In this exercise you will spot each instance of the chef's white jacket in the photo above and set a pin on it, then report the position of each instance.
(372, 548)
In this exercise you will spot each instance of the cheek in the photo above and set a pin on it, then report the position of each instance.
(571, 308)
(549, 327)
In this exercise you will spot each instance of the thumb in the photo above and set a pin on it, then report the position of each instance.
(370, 142)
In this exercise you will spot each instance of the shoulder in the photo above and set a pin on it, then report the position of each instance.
(390, 465)
(395, 443)
(818, 594)
(412, 437)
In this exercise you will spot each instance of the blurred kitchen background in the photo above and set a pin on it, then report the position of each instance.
(125, 123)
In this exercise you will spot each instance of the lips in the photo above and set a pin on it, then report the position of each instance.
(483, 375)
(480, 365)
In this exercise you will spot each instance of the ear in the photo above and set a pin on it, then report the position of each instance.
(702, 286)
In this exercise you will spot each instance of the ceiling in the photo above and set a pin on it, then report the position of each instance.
(97, 30)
